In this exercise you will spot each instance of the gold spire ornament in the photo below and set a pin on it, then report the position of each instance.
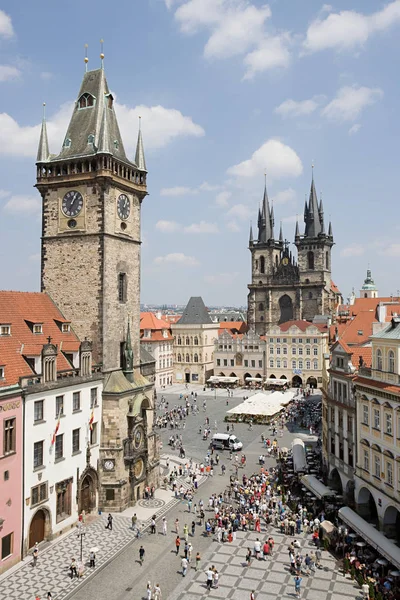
(102, 53)
(86, 57)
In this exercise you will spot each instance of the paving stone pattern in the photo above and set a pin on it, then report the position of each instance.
(270, 579)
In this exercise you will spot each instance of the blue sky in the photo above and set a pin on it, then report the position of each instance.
(227, 89)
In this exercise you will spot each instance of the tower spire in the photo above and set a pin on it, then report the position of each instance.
(139, 156)
(43, 150)
(297, 232)
(104, 136)
(281, 234)
(128, 355)
(311, 212)
(251, 235)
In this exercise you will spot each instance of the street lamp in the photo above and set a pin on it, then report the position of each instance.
(81, 534)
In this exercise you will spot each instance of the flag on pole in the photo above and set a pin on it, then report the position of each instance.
(91, 420)
(53, 440)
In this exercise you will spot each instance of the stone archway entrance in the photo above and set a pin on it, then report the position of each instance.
(297, 381)
(335, 482)
(391, 523)
(366, 506)
(39, 529)
(312, 382)
(87, 491)
(187, 376)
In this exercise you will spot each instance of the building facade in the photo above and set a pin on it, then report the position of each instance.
(241, 356)
(283, 289)
(194, 337)
(377, 478)
(156, 338)
(90, 265)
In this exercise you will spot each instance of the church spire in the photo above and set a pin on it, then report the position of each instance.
(330, 234)
(281, 234)
(139, 156)
(312, 216)
(251, 235)
(104, 136)
(266, 219)
(43, 150)
(128, 356)
(297, 232)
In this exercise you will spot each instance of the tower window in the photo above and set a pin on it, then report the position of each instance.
(310, 260)
(110, 101)
(86, 101)
(262, 264)
(327, 260)
(122, 287)
(116, 144)
(261, 306)
(67, 143)
(310, 295)
(90, 139)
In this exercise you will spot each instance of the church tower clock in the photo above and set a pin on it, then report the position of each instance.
(90, 266)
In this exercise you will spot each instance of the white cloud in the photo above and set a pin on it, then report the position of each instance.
(8, 73)
(349, 29)
(233, 226)
(178, 190)
(159, 125)
(279, 159)
(167, 226)
(46, 75)
(222, 198)
(177, 258)
(284, 196)
(202, 227)
(4, 194)
(272, 52)
(207, 187)
(239, 211)
(23, 204)
(293, 108)
(354, 128)
(6, 28)
(350, 101)
(221, 278)
(352, 250)
(235, 27)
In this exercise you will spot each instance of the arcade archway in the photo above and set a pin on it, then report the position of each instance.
(391, 523)
(40, 527)
(297, 381)
(366, 506)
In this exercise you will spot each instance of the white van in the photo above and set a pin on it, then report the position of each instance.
(224, 441)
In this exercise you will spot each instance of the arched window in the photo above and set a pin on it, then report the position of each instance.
(309, 295)
(86, 101)
(308, 365)
(179, 358)
(285, 364)
(278, 363)
(271, 363)
(179, 341)
(365, 295)
(391, 361)
(196, 358)
(187, 341)
(300, 364)
(262, 264)
(261, 318)
(315, 365)
(187, 358)
(327, 260)
(379, 359)
(196, 341)
(293, 364)
(261, 306)
(310, 260)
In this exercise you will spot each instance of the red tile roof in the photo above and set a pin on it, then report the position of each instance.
(302, 325)
(149, 321)
(380, 385)
(334, 288)
(20, 309)
(234, 326)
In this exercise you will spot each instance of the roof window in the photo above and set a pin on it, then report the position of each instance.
(90, 139)
(5, 329)
(116, 144)
(1, 372)
(66, 327)
(38, 328)
(67, 143)
(360, 332)
(86, 101)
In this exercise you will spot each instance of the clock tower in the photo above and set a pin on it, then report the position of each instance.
(90, 266)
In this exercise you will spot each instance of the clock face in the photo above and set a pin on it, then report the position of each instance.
(138, 438)
(72, 203)
(138, 468)
(285, 261)
(123, 206)
(109, 465)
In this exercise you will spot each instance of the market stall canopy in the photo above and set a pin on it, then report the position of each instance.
(258, 379)
(316, 487)
(299, 455)
(273, 381)
(263, 404)
(216, 379)
(328, 527)
(374, 538)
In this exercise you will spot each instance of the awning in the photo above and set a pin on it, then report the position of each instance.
(259, 379)
(299, 455)
(316, 487)
(215, 379)
(374, 538)
(272, 381)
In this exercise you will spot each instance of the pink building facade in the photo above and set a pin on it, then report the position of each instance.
(11, 494)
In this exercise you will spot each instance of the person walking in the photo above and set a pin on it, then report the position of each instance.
(153, 524)
(109, 522)
(189, 552)
(134, 522)
(92, 559)
(248, 557)
(49, 596)
(164, 526)
(177, 544)
(215, 579)
(149, 591)
(184, 564)
(193, 528)
(73, 568)
(177, 526)
(157, 592)
(209, 581)
(35, 554)
(186, 532)
(141, 555)
(252, 595)
(198, 559)
(318, 555)
(297, 584)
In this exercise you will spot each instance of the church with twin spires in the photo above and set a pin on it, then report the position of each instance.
(282, 287)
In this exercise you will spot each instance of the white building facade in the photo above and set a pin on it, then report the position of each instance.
(157, 339)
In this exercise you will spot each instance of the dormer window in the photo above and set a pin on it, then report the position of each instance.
(5, 329)
(116, 144)
(90, 139)
(67, 143)
(66, 327)
(38, 328)
(110, 100)
(1, 372)
(86, 101)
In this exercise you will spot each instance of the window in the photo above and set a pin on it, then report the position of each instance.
(271, 363)
(391, 361)
(246, 363)
(196, 341)
(300, 340)
(67, 143)
(284, 349)
(310, 260)
(75, 440)
(93, 397)
(39, 493)
(271, 350)
(278, 363)
(315, 365)
(293, 364)
(388, 423)
(315, 351)
(86, 101)
(218, 362)
(293, 340)
(300, 351)
(90, 138)
(389, 473)
(38, 412)
(76, 401)
(7, 545)
(179, 341)
(308, 364)
(122, 287)
(262, 264)
(294, 349)
(225, 362)
(63, 501)
(59, 446)
(349, 424)
(260, 364)
(5, 329)
(253, 363)
(93, 434)
(110, 494)
(38, 328)
(300, 364)
(285, 364)
(1, 372)
(38, 454)
(59, 406)
(340, 418)
(366, 460)
(308, 351)
(377, 466)
(377, 418)
(196, 359)
(261, 306)
(365, 415)
(278, 350)
(379, 359)
(187, 341)
(9, 436)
